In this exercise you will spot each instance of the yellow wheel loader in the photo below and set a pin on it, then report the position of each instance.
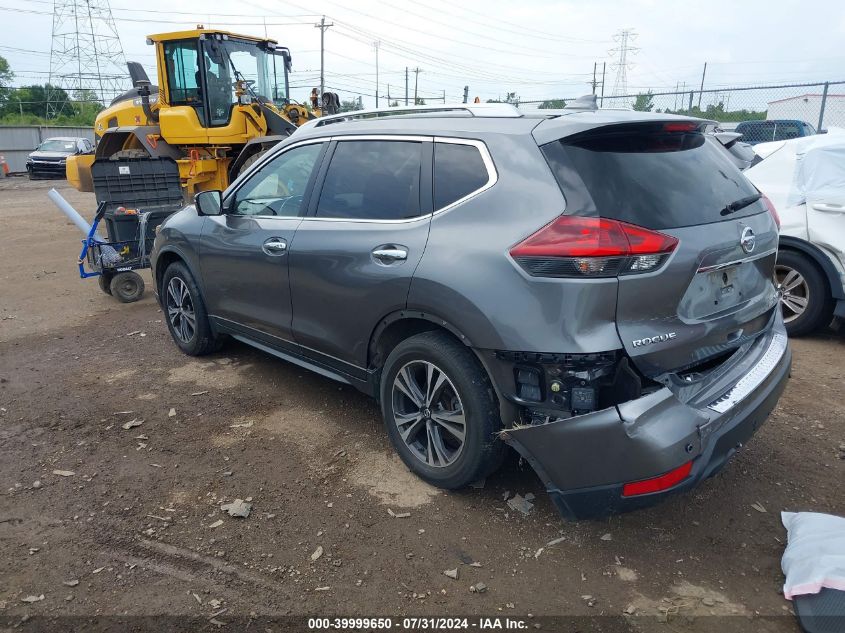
(221, 100)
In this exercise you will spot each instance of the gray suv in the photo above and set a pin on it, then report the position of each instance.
(590, 287)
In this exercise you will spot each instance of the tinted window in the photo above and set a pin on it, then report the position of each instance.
(653, 179)
(278, 188)
(757, 132)
(182, 72)
(458, 171)
(377, 180)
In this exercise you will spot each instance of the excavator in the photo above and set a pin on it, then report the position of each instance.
(222, 100)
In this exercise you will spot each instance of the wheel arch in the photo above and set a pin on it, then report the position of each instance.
(818, 257)
(397, 326)
(167, 256)
(146, 137)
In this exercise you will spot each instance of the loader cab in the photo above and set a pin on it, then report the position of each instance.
(210, 79)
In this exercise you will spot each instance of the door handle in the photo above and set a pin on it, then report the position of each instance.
(390, 254)
(275, 246)
(829, 208)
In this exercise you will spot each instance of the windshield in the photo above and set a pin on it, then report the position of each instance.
(57, 145)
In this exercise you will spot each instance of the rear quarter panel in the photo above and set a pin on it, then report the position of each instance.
(467, 277)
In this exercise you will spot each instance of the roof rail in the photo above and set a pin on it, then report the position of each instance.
(474, 109)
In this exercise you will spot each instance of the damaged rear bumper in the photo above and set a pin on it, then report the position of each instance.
(585, 461)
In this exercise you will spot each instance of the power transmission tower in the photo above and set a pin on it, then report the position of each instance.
(322, 26)
(86, 58)
(623, 49)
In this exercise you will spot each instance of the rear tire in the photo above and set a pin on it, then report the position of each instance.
(805, 299)
(446, 434)
(105, 283)
(127, 287)
(187, 319)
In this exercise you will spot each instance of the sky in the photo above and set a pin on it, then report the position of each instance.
(539, 49)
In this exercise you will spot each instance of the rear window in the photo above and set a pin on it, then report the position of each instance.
(642, 175)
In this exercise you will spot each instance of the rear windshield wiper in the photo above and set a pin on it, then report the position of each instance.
(736, 205)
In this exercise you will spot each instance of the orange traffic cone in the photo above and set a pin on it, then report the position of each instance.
(4, 167)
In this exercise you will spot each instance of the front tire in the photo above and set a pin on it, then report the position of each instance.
(805, 300)
(185, 312)
(440, 411)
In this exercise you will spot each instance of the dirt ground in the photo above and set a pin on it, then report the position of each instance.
(137, 528)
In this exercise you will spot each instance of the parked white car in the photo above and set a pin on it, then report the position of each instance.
(805, 180)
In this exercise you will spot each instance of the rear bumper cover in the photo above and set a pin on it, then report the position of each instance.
(585, 461)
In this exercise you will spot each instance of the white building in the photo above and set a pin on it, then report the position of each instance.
(807, 108)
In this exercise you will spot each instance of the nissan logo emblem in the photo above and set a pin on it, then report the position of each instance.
(748, 240)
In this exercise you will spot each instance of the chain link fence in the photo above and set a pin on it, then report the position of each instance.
(822, 105)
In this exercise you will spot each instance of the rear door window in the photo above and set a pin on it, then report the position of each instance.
(459, 170)
(646, 176)
(372, 180)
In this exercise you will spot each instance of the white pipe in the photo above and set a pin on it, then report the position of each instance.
(69, 211)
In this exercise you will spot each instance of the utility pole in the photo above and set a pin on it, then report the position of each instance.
(444, 97)
(701, 89)
(603, 72)
(595, 66)
(406, 85)
(416, 84)
(466, 93)
(322, 26)
(375, 46)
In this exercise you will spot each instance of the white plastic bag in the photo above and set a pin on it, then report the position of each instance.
(815, 553)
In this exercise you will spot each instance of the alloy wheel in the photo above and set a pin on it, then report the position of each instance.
(429, 414)
(793, 292)
(180, 310)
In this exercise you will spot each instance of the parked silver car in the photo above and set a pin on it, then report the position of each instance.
(592, 288)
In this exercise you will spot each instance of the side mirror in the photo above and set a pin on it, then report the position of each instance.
(209, 202)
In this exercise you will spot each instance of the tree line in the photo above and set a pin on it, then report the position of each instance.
(27, 105)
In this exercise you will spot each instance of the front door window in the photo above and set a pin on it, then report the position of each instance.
(278, 188)
(183, 75)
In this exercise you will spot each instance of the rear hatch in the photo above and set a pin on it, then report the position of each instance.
(710, 288)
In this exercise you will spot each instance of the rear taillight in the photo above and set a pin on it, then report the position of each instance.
(772, 210)
(574, 246)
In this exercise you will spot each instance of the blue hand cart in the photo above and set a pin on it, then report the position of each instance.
(134, 195)
(115, 263)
